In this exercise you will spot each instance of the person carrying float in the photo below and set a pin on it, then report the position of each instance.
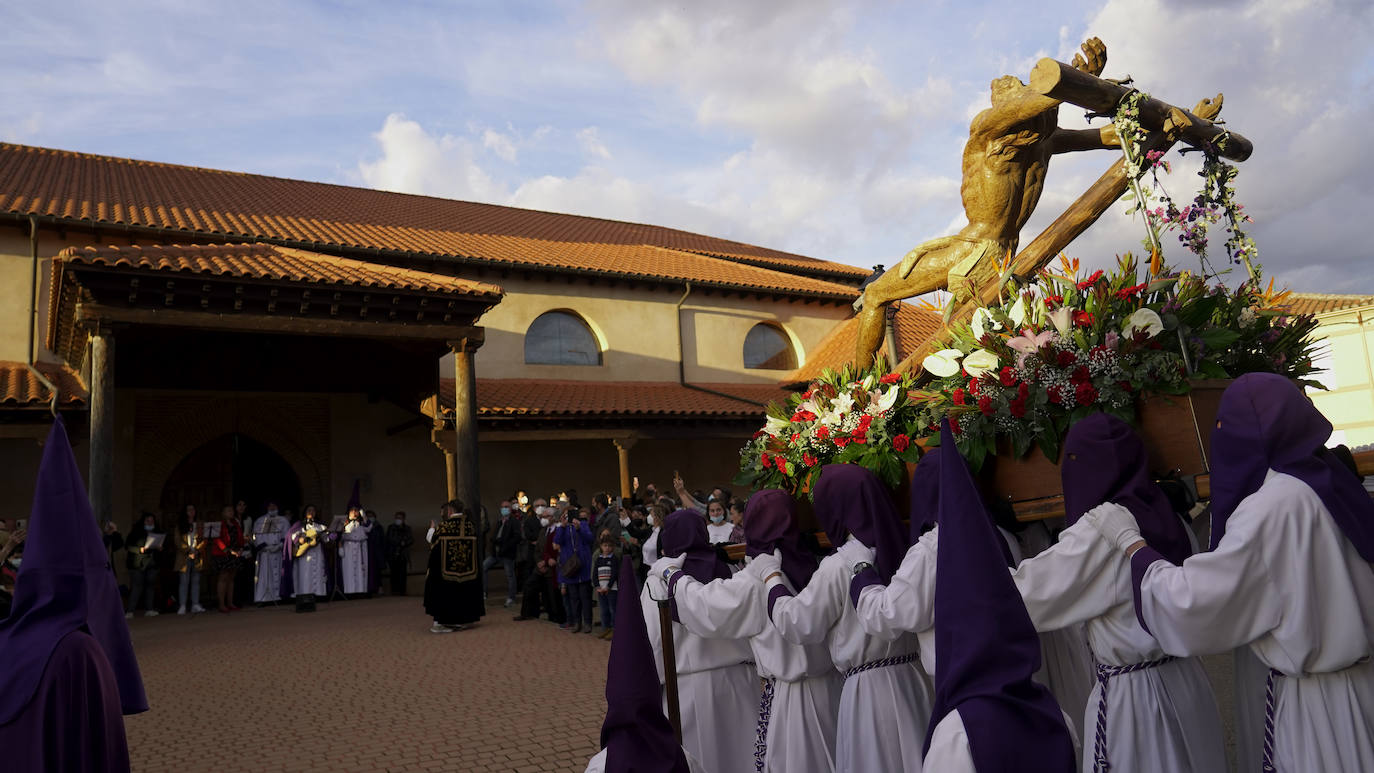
(795, 729)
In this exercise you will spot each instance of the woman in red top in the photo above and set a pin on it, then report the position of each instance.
(224, 554)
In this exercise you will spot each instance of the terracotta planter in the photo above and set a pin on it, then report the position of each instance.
(1177, 430)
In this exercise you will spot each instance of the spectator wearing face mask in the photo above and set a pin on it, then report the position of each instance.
(717, 528)
(399, 539)
(657, 513)
(527, 551)
(504, 546)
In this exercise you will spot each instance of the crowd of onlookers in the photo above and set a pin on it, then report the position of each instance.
(563, 556)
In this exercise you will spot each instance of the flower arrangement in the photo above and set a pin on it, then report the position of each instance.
(850, 416)
(1069, 345)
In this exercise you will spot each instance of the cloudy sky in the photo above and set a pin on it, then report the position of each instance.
(831, 129)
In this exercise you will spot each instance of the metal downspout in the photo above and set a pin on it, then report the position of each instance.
(682, 356)
(33, 318)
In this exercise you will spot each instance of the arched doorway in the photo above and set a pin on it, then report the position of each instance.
(227, 469)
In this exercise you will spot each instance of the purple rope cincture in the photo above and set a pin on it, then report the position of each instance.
(765, 714)
(1105, 673)
(884, 663)
(1267, 761)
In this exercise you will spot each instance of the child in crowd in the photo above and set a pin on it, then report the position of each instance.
(605, 571)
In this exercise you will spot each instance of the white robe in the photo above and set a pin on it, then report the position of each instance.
(881, 709)
(1162, 718)
(949, 749)
(268, 534)
(718, 690)
(308, 571)
(718, 533)
(353, 557)
(806, 694)
(650, 548)
(597, 764)
(1285, 581)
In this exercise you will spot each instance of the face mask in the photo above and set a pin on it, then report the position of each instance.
(400, 522)
(717, 518)
(505, 511)
(272, 512)
(624, 521)
(544, 523)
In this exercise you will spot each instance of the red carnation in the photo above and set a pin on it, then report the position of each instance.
(1085, 394)
(756, 435)
(1083, 318)
(1017, 407)
(1007, 376)
(1053, 299)
(782, 464)
(803, 416)
(1090, 281)
(953, 425)
(1126, 293)
(796, 436)
(1056, 394)
(973, 386)
(822, 432)
(864, 422)
(766, 460)
(841, 442)
(901, 443)
(985, 405)
(1065, 359)
(859, 436)
(1124, 385)
(1022, 390)
(958, 396)
(890, 378)
(808, 460)
(1080, 375)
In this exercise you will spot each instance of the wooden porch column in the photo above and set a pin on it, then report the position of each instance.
(102, 424)
(465, 476)
(622, 448)
(451, 473)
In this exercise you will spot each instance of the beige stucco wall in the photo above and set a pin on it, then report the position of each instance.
(1348, 403)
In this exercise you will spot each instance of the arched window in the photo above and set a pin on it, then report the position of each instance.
(560, 338)
(768, 347)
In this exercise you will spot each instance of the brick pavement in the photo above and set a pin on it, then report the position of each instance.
(364, 686)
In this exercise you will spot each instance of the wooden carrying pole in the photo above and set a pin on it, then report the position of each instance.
(665, 628)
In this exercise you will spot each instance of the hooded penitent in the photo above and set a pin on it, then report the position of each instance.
(925, 494)
(985, 646)
(1264, 423)
(684, 534)
(636, 735)
(770, 523)
(852, 500)
(64, 584)
(1105, 461)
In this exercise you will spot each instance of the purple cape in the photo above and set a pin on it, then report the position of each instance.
(770, 523)
(64, 584)
(1105, 461)
(1264, 422)
(851, 500)
(636, 736)
(925, 493)
(986, 649)
(684, 534)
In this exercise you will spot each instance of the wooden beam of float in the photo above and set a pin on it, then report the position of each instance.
(1053, 507)
(1066, 83)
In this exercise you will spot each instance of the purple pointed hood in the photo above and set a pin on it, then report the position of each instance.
(1264, 422)
(684, 534)
(852, 500)
(770, 523)
(1105, 461)
(925, 493)
(65, 584)
(985, 646)
(636, 735)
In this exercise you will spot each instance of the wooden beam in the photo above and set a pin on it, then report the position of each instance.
(275, 323)
(1067, 83)
(102, 425)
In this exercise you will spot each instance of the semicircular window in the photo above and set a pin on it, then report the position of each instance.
(560, 338)
(767, 347)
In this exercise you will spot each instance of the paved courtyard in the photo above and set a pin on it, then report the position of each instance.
(364, 686)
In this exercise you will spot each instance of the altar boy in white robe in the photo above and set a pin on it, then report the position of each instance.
(269, 532)
(1149, 712)
(718, 687)
(990, 716)
(353, 555)
(801, 688)
(1288, 575)
(884, 694)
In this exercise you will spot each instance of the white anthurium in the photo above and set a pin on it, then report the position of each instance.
(983, 321)
(981, 362)
(774, 426)
(1062, 319)
(868, 383)
(943, 363)
(1145, 320)
(885, 401)
(1017, 312)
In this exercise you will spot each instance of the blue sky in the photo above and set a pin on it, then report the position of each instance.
(828, 129)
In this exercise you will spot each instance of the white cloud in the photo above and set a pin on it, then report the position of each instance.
(499, 144)
(415, 161)
(590, 140)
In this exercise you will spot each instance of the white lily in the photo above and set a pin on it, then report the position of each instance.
(842, 405)
(1062, 319)
(943, 363)
(774, 426)
(981, 362)
(1017, 312)
(1145, 320)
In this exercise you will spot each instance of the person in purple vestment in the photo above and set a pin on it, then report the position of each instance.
(635, 736)
(68, 670)
(989, 714)
(376, 552)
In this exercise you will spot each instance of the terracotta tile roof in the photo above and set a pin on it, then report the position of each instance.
(243, 207)
(266, 261)
(913, 326)
(548, 398)
(1321, 303)
(19, 388)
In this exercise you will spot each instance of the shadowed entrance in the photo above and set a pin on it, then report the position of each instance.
(227, 469)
